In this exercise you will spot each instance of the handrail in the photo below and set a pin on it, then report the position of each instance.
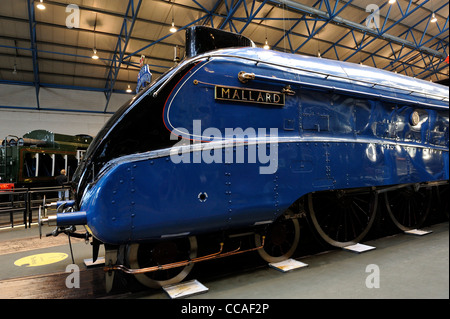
(24, 203)
(343, 90)
(324, 74)
(327, 75)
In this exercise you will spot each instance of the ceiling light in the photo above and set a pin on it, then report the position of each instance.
(392, 1)
(40, 5)
(173, 29)
(129, 90)
(95, 56)
(15, 69)
(433, 18)
(266, 45)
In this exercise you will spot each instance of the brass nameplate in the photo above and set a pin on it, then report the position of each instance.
(228, 93)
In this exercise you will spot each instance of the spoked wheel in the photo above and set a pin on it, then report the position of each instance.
(281, 240)
(408, 207)
(161, 253)
(342, 218)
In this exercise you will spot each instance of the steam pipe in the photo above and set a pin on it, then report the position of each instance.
(64, 219)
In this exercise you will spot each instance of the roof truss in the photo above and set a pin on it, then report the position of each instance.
(405, 40)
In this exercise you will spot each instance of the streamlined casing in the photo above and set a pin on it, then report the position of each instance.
(243, 159)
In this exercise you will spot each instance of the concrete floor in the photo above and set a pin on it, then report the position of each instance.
(410, 267)
(20, 242)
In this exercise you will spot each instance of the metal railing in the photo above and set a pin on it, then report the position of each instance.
(25, 200)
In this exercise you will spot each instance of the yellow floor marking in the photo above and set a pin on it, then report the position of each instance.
(40, 259)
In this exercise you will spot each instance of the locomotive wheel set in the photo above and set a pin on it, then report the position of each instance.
(237, 144)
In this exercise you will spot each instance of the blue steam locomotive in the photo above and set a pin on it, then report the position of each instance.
(240, 141)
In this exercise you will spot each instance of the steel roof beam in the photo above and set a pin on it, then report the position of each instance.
(438, 69)
(53, 109)
(409, 31)
(252, 14)
(316, 31)
(382, 33)
(75, 63)
(288, 32)
(444, 47)
(63, 27)
(425, 44)
(400, 56)
(230, 12)
(60, 86)
(82, 56)
(357, 26)
(164, 37)
(94, 78)
(212, 13)
(121, 46)
(32, 25)
(343, 37)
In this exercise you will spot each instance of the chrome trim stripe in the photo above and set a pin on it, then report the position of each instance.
(196, 147)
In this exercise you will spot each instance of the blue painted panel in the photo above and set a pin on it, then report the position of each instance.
(327, 137)
(154, 198)
(108, 212)
(189, 102)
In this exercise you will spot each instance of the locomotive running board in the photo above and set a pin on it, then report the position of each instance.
(416, 186)
(219, 254)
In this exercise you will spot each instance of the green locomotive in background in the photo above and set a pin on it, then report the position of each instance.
(38, 157)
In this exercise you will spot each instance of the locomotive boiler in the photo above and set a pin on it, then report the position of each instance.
(240, 141)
